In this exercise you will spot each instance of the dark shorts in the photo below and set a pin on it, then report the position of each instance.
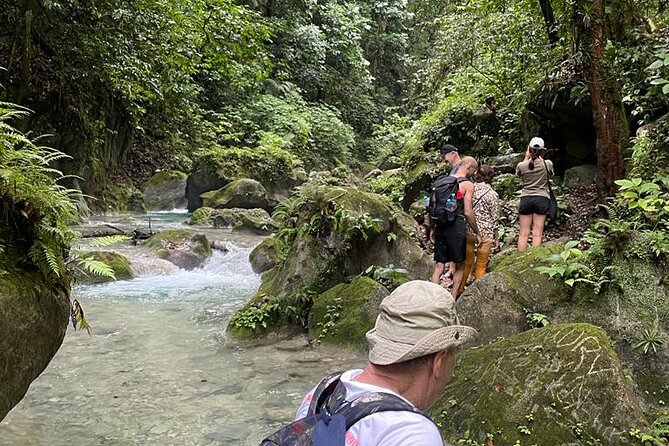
(450, 242)
(534, 204)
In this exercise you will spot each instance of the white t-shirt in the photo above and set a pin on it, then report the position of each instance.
(390, 428)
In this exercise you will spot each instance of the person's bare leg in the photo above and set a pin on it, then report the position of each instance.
(525, 225)
(457, 278)
(538, 221)
(438, 271)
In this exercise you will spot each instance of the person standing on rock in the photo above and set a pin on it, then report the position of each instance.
(534, 197)
(448, 154)
(450, 240)
(486, 209)
(412, 350)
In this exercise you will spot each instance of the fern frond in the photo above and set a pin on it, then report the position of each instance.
(96, 267)
(109, 240)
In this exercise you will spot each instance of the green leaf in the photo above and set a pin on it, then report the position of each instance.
(655, 65)
(659, 81)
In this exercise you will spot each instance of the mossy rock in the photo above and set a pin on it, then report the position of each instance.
(635, 302)
(117, 262)
(277, 170)
(186, 249)
(166, 190)
(34, 317)
(494, 304)
(243, 193)
(265, 255)
(376, 233)
(507, 185)
(344, 313)
(254, 220)
(558, 385)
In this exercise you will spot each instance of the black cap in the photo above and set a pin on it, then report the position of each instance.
(447, 148)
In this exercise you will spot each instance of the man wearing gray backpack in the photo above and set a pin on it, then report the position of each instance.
(412, 351)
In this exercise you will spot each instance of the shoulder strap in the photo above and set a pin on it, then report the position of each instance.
(548, 177)
(323, 392)
(372, 403)
(479, 198)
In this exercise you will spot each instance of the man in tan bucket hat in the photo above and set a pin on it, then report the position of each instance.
(411, 356)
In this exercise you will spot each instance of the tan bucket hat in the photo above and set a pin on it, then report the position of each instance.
(415, 320)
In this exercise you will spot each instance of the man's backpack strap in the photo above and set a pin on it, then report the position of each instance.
(323, 392)
(371, 403)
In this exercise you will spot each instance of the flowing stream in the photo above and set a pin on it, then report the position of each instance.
(156, 369)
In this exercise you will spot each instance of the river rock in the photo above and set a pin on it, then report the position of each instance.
(342, 232)
(275, 168)
(244, 193)
(560, 385)
(117, 262)
(254, 220)
(34, 317)
(186, 249)
(166, 190)
(633, 306)
(264, 256)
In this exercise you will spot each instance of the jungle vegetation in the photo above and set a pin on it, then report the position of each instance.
(125, 88)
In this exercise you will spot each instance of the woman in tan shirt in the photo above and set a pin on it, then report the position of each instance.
(534, 198)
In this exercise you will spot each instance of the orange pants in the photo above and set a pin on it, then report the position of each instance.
(477, 258)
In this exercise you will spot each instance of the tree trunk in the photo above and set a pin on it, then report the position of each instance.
(608, 115)
(549, 20)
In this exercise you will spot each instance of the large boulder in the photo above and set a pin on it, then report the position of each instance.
(344, 313)
(496, 303)
(254, 220)
(339, 232)
(184, 248)
(634, 311)
(34, 317)
(117, 262)
(559, 385)
(633, 308)
(243, 193)
(165, 191)
(277, 170)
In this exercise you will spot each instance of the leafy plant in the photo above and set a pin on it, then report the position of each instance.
(651, 340)
(255, 316)
(327, 327)
(536, 320)
(645, 439)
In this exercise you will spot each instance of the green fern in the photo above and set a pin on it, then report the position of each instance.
(96, 267)
(109, 240)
